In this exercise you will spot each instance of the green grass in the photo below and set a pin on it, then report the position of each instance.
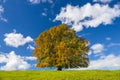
(61, 75)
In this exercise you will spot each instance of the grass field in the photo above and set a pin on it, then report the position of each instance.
(61, 75)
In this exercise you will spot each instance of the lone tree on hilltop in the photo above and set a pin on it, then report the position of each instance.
(60, 47)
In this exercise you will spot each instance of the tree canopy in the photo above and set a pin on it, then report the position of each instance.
(60, 47)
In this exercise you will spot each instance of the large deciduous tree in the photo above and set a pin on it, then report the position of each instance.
(60, 47)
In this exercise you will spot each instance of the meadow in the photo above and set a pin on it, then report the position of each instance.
(61, 75)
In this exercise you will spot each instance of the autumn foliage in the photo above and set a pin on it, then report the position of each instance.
(60, 47)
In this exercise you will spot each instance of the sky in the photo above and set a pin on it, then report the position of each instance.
(22, 21)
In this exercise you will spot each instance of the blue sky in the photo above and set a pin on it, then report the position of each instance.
(21, 21)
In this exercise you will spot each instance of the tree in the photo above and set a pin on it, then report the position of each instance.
(60, 47)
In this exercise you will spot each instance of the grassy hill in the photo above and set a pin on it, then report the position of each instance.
(61, 75)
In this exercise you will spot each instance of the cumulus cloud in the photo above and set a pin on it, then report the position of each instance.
(102, 1)
(87, 15)
(34, 1)
(13, 62)
(40, 1)
(30, 47)
(1, 12)
(16, 39)
(30, 58)
(97, 48)
(109, 62)
(44, 14)
(3, 58)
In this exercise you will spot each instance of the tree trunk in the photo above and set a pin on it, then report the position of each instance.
(59, 68)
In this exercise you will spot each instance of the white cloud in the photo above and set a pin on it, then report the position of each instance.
(97, 48)
(44, 14)
(86, 34)
(1, 12)
(30, 58)
(108, 38)
(34, 1)
(16, 39)
(3, 58)
(88, 15)
(40, 1)
(30, 47)
(45, 11)
(102, 1)
(110, 62)
(113, 44)
(13, 62)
